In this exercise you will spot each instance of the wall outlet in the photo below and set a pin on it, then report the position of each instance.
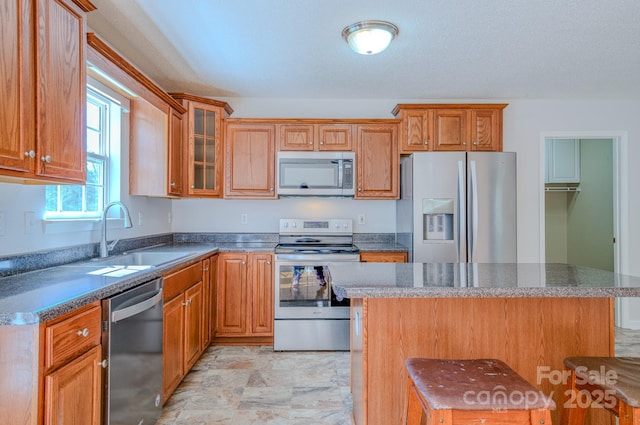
(29, 222)
(361, 219)
(244, 218)
(1, 223)
(140, 218)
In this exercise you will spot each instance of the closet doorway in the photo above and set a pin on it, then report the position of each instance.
(580, 200)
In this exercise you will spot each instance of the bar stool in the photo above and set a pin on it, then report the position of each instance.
(487, 391)
(611, 382)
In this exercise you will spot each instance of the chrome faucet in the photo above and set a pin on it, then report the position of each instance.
(104, 247)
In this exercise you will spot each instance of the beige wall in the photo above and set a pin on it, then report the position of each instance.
(556, 226)
(590, 213)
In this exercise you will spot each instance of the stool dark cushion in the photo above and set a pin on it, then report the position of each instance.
(621, 375)
(477, 384)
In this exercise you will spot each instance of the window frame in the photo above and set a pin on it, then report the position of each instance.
(113, 106)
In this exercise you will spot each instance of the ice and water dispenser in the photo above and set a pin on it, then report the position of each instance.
(437, 214)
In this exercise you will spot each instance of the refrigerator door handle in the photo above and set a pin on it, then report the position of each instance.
(461, 209)
(473, 237)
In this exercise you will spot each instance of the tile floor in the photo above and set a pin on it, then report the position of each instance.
(255, 385)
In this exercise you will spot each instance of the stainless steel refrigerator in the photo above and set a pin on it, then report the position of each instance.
(458, 207)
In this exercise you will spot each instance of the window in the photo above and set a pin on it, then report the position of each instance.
(88, 200)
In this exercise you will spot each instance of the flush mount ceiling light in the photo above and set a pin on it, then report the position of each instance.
(370, 37)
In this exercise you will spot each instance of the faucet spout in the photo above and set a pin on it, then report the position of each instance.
(104, 248)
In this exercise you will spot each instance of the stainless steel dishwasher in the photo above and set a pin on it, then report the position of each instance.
(132, 344)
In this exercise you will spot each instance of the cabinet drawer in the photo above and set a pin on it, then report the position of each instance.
(72, 336)
(176, 283)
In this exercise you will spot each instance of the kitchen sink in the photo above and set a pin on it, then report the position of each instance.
(150, 258)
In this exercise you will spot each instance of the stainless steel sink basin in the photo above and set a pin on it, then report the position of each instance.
(150, 258)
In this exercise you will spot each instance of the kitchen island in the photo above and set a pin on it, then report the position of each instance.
(530, 316)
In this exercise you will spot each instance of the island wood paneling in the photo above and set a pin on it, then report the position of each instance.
(526, 333)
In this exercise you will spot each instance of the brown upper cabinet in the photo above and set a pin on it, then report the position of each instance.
(156, 161)
(249, 160)
(450, 127)
(308, 136)
(377, 161)
(43, 57)
(203, 138)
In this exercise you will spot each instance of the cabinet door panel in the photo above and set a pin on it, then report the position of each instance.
(261, 294)
(176, 160)
(172, 342)
(193, 324)
(450, 128)
(17, 91)
(61, 79)
(485, 130)
(377, 162)
(334, 137)
(73, 393)
(295, 137)
(212, 311)
(232, 295)
(250, 161)
(416, 131)
(205, 147)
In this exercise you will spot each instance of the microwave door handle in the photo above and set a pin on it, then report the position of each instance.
(340, 172)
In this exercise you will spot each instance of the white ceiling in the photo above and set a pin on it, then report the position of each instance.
(446, 49)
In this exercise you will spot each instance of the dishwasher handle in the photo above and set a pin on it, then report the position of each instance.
(150, 299)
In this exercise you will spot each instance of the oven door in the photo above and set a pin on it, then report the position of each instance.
(303, 287)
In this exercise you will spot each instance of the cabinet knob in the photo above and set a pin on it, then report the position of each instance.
(84, 332)
(464, 143)
(244, 262)
(271, 189)
(46, 158)
(268, 263)
(311, 142)
(30, 154)
(322, 143)
(193, 187)
(475, 143)
(103, 364)
(359, 189)
(173, 184)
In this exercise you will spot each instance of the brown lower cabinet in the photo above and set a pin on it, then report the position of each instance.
(72, 368)
(383, 257)
(244, 298)
(73, 393)
(183, 329)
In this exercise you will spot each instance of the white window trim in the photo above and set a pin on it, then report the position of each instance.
(88, 224)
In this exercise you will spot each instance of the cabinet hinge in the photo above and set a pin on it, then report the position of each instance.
(105, 326)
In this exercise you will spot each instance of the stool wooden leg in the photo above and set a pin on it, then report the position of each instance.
(628, 415)
(414, 408)
(540, 417)
(573, 410)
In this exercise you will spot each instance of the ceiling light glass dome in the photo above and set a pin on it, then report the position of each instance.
(370, 37)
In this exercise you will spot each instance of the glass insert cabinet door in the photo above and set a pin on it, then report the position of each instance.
(205, 143)
(303, 286)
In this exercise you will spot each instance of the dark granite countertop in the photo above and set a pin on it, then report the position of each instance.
(443, 280)
(380, 247)
(41, 295)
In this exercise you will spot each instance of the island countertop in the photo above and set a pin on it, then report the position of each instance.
(444, 280)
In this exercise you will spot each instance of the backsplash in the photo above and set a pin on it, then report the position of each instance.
(16, 264)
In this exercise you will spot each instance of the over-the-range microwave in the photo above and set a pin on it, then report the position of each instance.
(316, 173)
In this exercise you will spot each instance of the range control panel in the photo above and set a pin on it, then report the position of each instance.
(297, 226)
